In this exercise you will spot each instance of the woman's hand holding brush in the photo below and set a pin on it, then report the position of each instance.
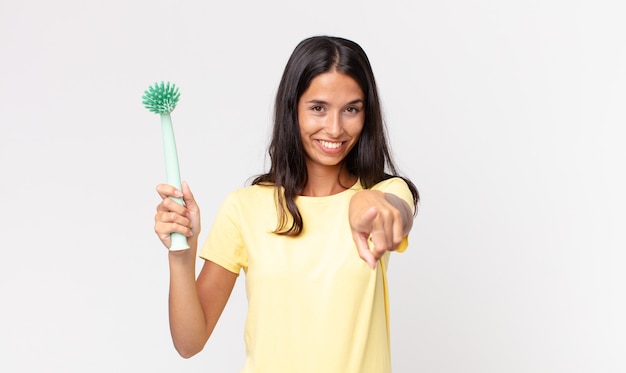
(172, 217)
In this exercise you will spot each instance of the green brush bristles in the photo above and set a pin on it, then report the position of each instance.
(161, 98)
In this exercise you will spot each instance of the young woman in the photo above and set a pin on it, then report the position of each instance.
(312, 235)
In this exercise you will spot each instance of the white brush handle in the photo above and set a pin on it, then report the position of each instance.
(179, 241)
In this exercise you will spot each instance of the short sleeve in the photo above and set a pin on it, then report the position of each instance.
(225, 244)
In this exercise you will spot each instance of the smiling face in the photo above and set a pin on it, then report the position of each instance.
(331, 117)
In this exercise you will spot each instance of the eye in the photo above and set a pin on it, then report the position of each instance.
(317, 108)
(353, 109)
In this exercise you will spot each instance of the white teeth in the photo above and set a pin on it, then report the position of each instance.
(330, 145)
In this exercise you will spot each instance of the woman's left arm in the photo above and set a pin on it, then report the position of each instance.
(382, 218)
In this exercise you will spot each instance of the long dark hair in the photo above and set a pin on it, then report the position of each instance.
(370, 159)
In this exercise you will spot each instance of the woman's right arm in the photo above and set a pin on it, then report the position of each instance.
(194, 305)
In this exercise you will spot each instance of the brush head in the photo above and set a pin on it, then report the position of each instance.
(161, 98)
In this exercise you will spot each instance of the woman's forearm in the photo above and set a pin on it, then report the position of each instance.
(405, 211)
(187, 320)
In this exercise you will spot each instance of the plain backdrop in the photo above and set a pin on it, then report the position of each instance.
(507, 115)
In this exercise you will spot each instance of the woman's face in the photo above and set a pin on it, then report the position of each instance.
(331, 116)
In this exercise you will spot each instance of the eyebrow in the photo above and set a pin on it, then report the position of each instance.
(321, 102)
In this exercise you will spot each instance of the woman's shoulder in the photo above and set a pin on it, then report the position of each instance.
(398, 187)
(253, 194)
(391, 183)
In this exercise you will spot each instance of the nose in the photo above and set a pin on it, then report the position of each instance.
(334, 125)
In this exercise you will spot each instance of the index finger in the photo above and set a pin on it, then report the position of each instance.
(166, 190)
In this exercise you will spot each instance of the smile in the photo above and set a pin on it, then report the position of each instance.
(330, 145)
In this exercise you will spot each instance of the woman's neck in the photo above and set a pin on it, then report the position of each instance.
(323, 183)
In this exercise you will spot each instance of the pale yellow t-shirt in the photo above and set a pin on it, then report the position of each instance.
(313, 304)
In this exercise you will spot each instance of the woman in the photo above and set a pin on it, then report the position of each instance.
(331, 196)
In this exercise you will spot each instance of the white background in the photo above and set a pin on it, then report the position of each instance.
(507, 115)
